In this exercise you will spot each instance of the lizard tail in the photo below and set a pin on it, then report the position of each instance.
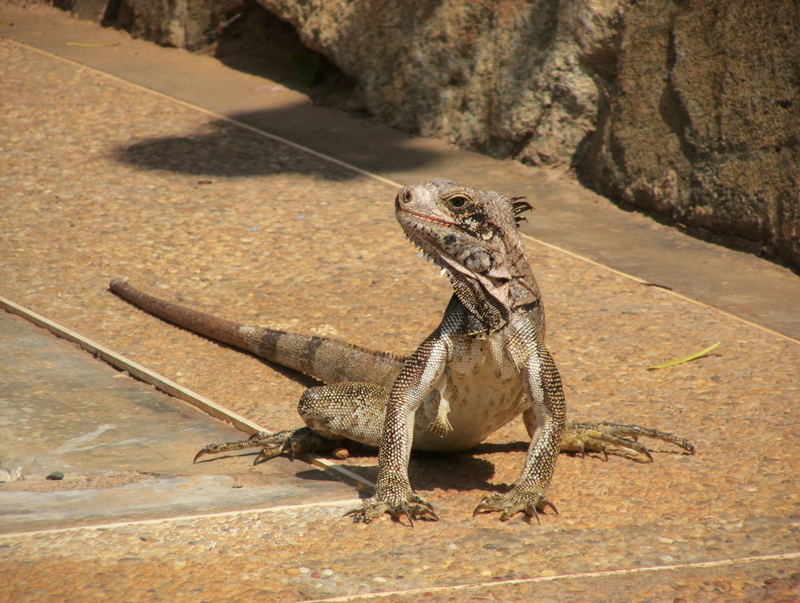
(329, 360)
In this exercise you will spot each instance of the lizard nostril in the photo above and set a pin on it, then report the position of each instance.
(405, 195)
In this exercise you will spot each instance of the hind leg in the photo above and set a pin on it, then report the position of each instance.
(332, 413)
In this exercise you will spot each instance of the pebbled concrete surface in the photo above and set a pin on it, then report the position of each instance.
(102, 179)
(310, 554)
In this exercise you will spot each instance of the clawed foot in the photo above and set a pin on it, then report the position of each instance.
(616, 438)
(293, 443)
(412, 507)
(516, 501)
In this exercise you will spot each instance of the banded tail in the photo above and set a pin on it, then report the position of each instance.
(329, 360)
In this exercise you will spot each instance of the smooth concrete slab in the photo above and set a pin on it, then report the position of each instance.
(124, 449)
(566, 214)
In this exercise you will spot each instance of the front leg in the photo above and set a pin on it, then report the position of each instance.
(549, 407)
(414, 385)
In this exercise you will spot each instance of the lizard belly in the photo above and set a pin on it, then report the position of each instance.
(482, 390)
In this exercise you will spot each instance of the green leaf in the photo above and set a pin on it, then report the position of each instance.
(699, 354)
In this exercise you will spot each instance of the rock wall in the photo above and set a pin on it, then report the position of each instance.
(689, 109)
(190, 24)
(504, 78)
(700, 121)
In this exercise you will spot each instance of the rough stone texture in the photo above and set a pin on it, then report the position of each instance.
(504, 78)
(191, 24)
(89, 10)
(702, 119)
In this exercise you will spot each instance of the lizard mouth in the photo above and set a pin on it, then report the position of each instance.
(427, 218)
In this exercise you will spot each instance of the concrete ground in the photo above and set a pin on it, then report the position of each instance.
(124, 159)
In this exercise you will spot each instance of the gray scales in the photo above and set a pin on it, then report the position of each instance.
(485, 364)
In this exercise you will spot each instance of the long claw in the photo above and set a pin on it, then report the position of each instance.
(517, 500)
(622, 439)
(292, 442)
(480, 509)
(223, 447)
(545, 502)
(410, 507)
(354, 514)
(266, 454)
(408, 516)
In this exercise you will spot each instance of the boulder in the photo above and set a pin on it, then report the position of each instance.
(190, 24)
(701, 120)
(502, 78)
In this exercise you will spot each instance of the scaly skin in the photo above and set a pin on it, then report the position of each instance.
(484, 365)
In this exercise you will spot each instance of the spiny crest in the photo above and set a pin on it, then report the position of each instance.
(518, 206)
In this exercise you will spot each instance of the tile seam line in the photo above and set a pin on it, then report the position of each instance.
(366, 173)
(176, 518)
(680, 296)
(560, 577)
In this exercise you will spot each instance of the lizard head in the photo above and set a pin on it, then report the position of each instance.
(472, 235)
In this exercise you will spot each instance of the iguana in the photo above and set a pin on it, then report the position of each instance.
(485, 364)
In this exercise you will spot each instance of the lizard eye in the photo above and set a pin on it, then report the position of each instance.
(458, 201)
